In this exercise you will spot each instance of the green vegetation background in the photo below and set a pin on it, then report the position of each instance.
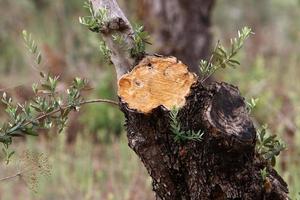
(98, 164)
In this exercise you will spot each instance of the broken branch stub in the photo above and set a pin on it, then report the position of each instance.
(156, 81)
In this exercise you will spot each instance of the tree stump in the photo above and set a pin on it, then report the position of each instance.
(224, 165)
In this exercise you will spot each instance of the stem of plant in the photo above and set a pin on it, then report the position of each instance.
(18, 174)
(69, 106)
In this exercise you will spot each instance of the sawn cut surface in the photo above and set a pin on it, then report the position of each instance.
(156, 81)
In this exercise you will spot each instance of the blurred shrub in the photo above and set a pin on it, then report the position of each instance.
(103, 121)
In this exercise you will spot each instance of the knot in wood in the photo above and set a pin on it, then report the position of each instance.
(228, 114)
(115, 24)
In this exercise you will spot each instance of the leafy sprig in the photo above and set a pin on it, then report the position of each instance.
(251, 104)
(264, 173)
(96, 21)
(141, 39)
(222, 58)
(268, 146)
(32, 46)
(105, 51)
(47, 109)
(179, 135)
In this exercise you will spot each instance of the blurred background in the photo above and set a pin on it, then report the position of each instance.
(91, 159)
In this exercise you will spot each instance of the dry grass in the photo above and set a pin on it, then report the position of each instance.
(84, 171)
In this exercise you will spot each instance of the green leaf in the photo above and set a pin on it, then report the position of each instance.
(11, 154)
(268, 146)
(6, 139)
(30, 131)
(273, 161)
(176, 129)
(264, 173)
(235, 62)
(39, 58)
(42, 74)
(46, 87)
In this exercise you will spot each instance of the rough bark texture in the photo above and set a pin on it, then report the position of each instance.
(222, 166)
(180, 28)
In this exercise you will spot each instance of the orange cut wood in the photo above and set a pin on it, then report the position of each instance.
(156, 81)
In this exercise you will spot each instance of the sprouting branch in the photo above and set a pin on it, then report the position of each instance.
(180, 135)
(115, 22)
(47, 109)
(62, 108)
(221, 57)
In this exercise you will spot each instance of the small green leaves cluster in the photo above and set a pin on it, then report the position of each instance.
(105, 51)
(32, 46)
(96, 20)
(268, 146)
(8, 153)
(141, 39)
(179, 135)
(264, 174)
(222, 58)
(251, 104)
(47, 109)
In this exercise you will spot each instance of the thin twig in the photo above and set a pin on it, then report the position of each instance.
(11, 177)
(206, 76)
(216, 69)
(69, 106)
(18, 174)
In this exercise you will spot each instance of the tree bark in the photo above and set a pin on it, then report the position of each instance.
(180, 28)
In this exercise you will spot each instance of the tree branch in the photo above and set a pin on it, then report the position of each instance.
(62, 108)
(69, 106)
(116, 23)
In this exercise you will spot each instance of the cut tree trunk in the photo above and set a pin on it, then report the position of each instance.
(223, 165)
(180, 28)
